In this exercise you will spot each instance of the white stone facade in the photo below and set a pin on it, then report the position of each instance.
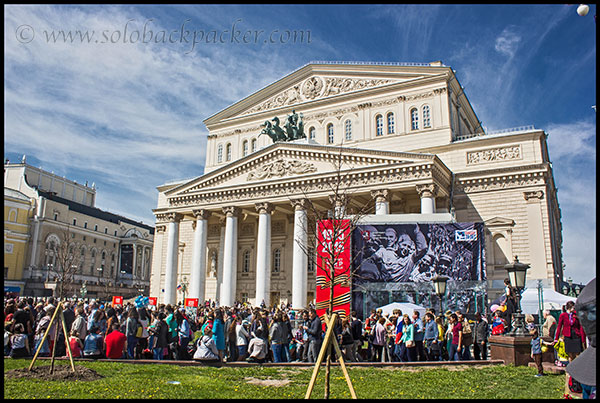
(409, 141)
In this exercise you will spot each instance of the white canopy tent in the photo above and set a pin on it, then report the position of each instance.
(405, 307)
(552, 300)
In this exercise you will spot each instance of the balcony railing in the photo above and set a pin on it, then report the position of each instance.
(526, 128)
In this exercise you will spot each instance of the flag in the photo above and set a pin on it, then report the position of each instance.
(179, 287)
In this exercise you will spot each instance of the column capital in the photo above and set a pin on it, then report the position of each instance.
(339, 201)
(160, 228)
(299, 204)
(427, 190)
(231, 211)
(264, 208)
(173, 217)
(201, 214)
(381, 195)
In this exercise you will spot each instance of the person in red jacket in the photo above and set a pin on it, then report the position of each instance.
(115, 343)
(570, 329)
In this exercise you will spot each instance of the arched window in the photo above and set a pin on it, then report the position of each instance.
(228, 152)
(348, 129)
(312, 132)
(379, 125)
(245, 147)
(414, 118)
(276, 260)
(426, 116)
(220, 153)
(246, 262)
(330, 133)
(253, 145)
(12, 215)
(390, 123)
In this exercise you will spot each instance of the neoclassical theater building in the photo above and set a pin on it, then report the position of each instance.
(407, 137)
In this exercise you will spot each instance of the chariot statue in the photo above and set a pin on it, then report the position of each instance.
(294, 128)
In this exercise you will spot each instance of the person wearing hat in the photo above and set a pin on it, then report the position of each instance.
(583, 368)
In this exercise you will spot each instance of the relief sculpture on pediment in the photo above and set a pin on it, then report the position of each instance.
(281, 168)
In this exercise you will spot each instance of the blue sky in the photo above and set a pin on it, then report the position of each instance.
(128, 116)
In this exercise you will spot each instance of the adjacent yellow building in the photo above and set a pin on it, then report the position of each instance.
(18, 211)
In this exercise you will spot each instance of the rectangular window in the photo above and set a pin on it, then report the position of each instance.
(74, 221)
(85, 225)
(105, 230)
(95, 228)
(390, 123)
(379, 123)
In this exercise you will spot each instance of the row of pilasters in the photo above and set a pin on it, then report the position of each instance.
(227, 272)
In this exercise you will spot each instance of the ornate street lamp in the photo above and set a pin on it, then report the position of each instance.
(517, 273)
(439, 284)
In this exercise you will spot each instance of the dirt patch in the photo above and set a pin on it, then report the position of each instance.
(61, 373)
(267, 382)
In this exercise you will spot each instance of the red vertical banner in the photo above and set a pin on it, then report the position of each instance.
(333, 246)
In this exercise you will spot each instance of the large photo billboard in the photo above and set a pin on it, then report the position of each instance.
(401, 253)
(396, 262)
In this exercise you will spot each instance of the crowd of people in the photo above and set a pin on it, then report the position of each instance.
(226, 334)
(252, 334)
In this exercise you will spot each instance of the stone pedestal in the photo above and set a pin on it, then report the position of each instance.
(512, 350)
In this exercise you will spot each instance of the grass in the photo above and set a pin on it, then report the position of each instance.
(131, 381)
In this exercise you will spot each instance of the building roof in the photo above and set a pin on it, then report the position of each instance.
(15, 194)
(93, 211)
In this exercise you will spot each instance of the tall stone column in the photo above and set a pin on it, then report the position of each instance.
(300, 258)
(219, 290)
(172, 254)
(134, 266)
(427, 193)
(229, 257)
(263, 254)
(198, 270)
(382, 201)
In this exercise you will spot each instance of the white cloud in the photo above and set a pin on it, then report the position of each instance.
(572, 140)
(507, 43)
(128, 115)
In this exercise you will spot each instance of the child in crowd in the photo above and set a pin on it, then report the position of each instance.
(19, 342)
(536, 351)
(75, 344)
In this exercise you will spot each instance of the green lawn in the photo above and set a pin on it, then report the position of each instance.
(150, 381)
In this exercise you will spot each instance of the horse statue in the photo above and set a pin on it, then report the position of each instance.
(275, 132)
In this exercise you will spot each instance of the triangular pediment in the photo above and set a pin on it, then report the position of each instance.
(280, 162)
(315, 82)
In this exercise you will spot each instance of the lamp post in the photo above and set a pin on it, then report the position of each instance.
(439, 284)
(517, 273)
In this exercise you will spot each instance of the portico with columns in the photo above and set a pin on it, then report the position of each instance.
(398, 137)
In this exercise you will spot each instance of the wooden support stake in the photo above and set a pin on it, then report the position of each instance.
(326, 342)
(64, 327)
(338, 351)
(43, 339)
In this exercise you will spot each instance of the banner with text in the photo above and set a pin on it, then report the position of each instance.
(333, 249)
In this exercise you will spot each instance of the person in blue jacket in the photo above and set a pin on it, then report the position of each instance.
(219, 332)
